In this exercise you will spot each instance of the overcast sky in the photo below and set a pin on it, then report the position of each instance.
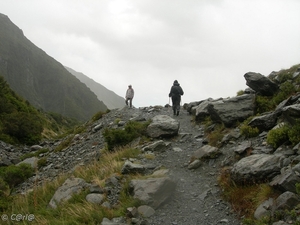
(207, 45)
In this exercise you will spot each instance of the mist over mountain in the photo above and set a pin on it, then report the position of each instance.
(110, 99)
(40, 79)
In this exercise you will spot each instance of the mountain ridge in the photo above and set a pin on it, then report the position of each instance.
(110, 99)
(40, 79)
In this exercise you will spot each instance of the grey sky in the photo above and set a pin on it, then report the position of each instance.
(207, 45)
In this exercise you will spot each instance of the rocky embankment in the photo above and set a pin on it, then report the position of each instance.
(184, 188)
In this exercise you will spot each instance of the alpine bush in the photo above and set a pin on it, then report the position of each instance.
(293, 133)
(120, 137)
(14, 175)
(278, 136)
(249, 131)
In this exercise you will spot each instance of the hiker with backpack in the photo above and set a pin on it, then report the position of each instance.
(175, 93)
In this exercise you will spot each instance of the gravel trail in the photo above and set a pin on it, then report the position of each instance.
(197, 199)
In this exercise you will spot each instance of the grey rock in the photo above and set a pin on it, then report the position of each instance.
(232, 110)
(32, 161)
(286, 181)
(257, 168)
(65, 192)
(163, 126)
(153, 191)
(287, 200)
(95, 198)
(194, 164)
(130, 168)
(264, 209)
(206, 152)
(261, 84)
(155, 146)
(114, 221)
(145, 211)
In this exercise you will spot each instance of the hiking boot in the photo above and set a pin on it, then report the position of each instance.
(177, 113)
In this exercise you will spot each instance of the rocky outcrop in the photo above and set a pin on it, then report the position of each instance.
(261, 84)
(228, 111)
(257, 168)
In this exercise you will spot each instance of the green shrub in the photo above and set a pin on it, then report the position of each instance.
(64, 144)
(34, 154)
(278, 136)
(286, 90)
(42, 162)
(121, 137)
(14, 175)
(293, 133)
(240, 92)
(264, 104)
(249, 131)
(216, 134)
(284, 76)
(99, 115)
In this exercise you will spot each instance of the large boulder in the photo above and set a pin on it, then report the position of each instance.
(286, 181)
(261, 84)
(67, 190)
(153, 191)
(257, 168)
(291, 113)
(265, 121)
(287, 201)
(200, 111)
(232, 110)
(163, 126)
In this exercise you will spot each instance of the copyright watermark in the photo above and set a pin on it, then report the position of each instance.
(18, 217)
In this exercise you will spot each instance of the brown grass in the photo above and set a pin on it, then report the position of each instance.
(244, 199)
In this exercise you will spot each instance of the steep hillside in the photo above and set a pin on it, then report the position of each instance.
(21, 123)
(110, 99)
(40, 79)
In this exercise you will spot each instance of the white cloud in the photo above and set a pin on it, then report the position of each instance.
(206, 45)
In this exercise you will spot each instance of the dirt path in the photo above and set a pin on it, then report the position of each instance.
(197, 198)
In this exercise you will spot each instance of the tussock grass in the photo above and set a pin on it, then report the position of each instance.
(77, 210)
(244, 199)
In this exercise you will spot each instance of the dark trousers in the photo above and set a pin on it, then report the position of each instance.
(130, 101)
(176, 104)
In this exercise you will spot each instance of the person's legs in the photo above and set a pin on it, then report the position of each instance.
(130, 102)
(178, 109)
(176, 105)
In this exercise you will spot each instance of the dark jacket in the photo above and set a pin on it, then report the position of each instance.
(176, 90)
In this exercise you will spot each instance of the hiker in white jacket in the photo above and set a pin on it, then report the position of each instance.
(129, 95)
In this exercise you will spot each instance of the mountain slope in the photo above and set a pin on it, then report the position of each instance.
(110, 99)
(40, 79)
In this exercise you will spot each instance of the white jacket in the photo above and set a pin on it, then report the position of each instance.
(129, 93)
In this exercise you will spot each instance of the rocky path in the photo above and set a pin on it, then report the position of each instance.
(197, 198)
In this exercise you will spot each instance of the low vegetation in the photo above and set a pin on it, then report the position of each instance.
(77, 210)
(247, 130)
(10, 177)
(246, 198)
(120, 137)
(284, 134)
(21, 123)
